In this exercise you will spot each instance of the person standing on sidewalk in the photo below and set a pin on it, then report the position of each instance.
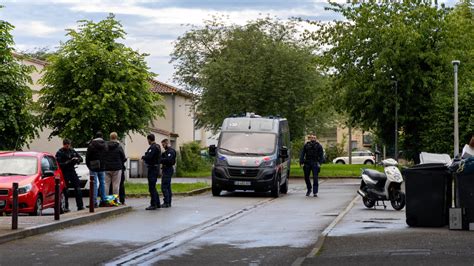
(168, 159)
(114, 158)
(95, 163)
(468, 150)
(152, 161)
(67, 158)
(311, 157)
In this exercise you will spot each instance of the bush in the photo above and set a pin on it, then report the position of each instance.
(334, 151)
(296, 147)
(190, 159)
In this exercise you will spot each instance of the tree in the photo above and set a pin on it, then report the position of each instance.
(457, 45)
(260, 67)
(95, 83)
(17, 122)
(377, 45)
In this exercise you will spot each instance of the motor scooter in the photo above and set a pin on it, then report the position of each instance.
(376, 186)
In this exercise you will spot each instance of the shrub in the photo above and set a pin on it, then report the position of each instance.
(190, 159)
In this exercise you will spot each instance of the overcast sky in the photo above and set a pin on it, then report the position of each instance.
(152, 26)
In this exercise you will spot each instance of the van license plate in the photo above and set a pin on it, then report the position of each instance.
(2, 203)
(242, 183)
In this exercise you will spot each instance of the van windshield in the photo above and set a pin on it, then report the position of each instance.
(247, 143)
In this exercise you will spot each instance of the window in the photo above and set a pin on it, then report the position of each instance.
(367, 139)
(44, 164)
(52, 163)
(247, 143)
(18, 165)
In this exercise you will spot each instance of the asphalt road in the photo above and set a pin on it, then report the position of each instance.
(236, 228)
(381, 237)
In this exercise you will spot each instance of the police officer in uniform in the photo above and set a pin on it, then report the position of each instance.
(67, 158)
(152, 159)
(168, 159)
(312, 156)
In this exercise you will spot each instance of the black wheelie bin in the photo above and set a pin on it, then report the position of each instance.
(464, 189)
(428, 195)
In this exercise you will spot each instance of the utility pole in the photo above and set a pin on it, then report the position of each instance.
(350, 144)
(456, 125)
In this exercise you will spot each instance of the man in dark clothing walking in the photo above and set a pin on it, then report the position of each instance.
(152, 161)
(95, 163)
(168, 159)
(312, 156)
(67, 158)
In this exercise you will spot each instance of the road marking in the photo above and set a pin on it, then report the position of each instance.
(151, 253)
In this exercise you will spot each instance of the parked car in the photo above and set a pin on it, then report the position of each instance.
(358, 157)
(82, 170)
(35, 173)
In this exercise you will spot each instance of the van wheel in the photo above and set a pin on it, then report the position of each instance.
(340, 162)
(368, 162)
(216, 191)
(284, 187)
(275, 192)
(38, 211)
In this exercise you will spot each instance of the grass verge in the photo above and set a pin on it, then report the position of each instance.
(139, 188)
(327, 170)
(335, 170)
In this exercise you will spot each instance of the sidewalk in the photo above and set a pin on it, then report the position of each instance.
(33, 225)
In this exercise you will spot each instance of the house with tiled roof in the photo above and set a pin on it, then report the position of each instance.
(177, 125)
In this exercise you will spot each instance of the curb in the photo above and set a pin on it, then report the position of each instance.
(46, 228)
(320, 242)
(190, 193)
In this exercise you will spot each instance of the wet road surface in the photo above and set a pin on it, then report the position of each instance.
(382, 237)
(236, 228)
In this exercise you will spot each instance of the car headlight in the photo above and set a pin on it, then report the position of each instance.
(221, 161)
(25, 189)
(269, 163)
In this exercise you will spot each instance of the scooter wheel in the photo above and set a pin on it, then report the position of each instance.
(398, 201)
(368, 202)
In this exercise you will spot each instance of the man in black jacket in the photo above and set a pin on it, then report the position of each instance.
(168, 159)
(312, 156)
(67, 158)
(114, 157)
(152, 161)
(95, 163)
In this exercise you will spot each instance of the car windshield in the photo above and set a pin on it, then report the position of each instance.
(18, 165)
(247, 143)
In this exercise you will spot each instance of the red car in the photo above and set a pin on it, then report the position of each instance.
(35, 173)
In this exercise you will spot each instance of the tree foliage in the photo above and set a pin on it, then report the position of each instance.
(459, 46)
(17, 123)
(260, 67)
(381, 45)
(95, 83)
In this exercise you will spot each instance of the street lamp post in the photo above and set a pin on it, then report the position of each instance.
(456, 125)
(396, 120)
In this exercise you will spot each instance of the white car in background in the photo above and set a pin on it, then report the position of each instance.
(82, 170)
(358, 157)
